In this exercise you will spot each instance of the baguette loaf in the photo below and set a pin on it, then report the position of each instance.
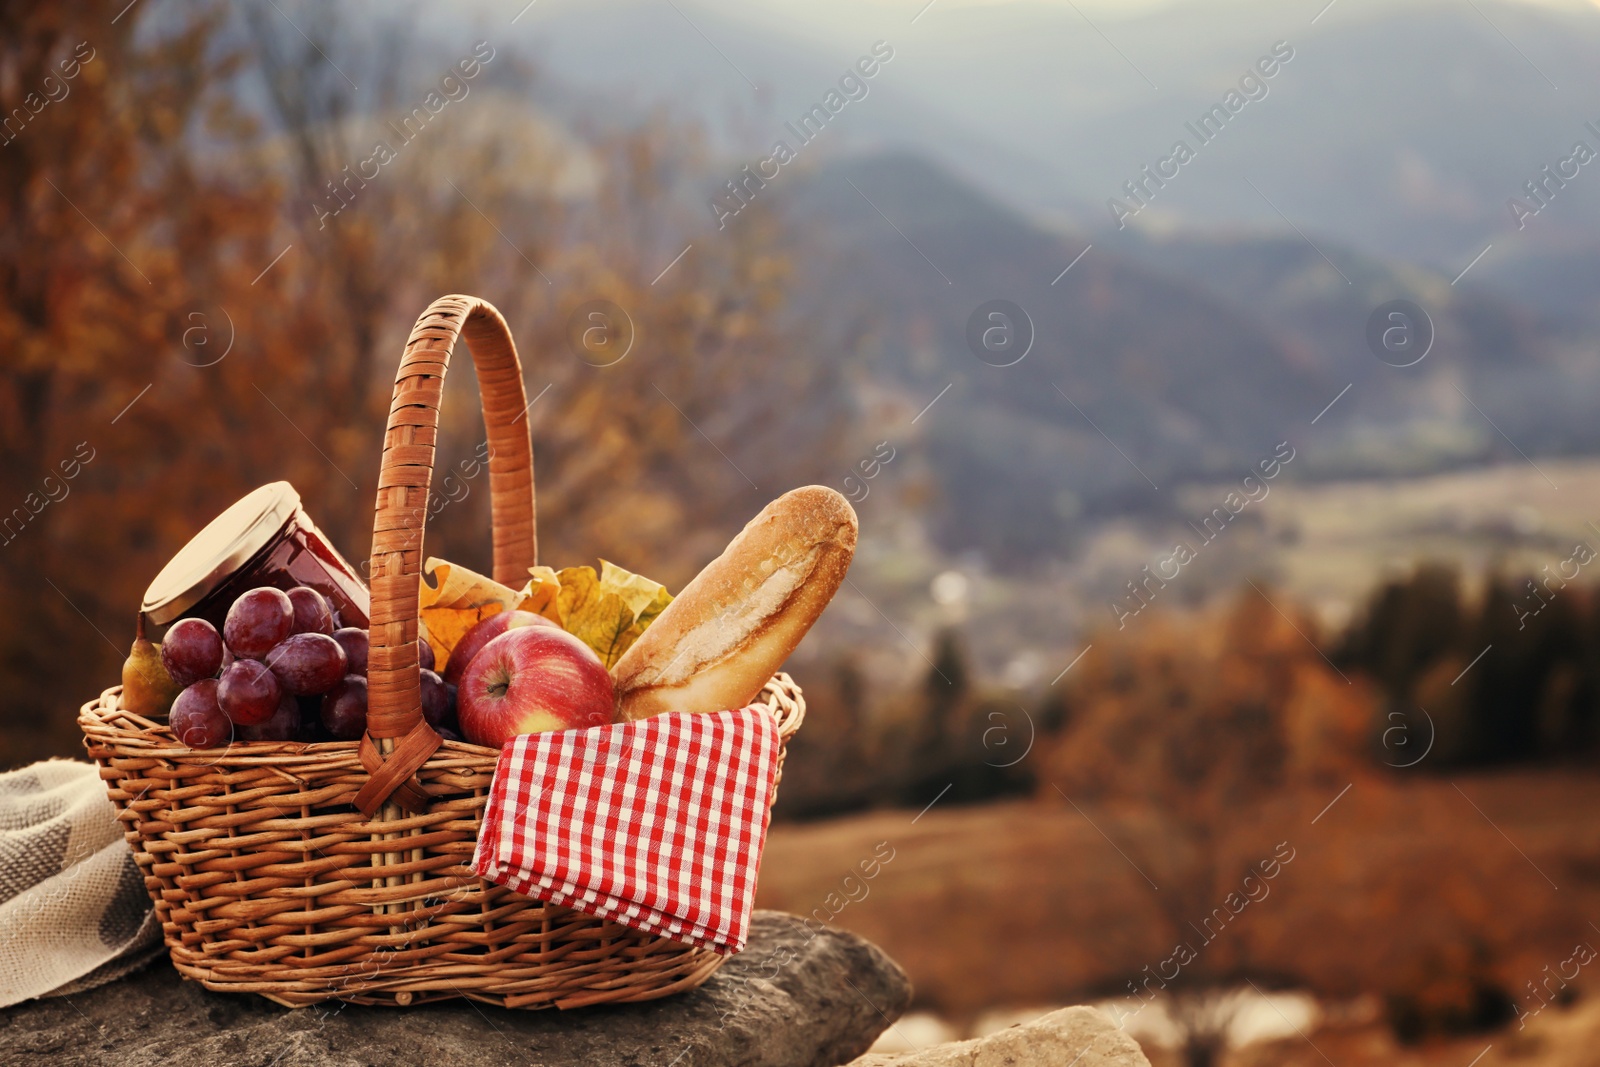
(719, 642)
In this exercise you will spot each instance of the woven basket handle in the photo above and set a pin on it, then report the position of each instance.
(398, 741)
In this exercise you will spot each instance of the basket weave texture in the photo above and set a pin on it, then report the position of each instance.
(340, 870)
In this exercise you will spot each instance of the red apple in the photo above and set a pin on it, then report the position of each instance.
(530, 679)
(481, 634)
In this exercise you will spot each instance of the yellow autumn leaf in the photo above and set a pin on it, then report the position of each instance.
(637, 591)
(610, 610)
(540, 594)
(607, 611)
(657, 605)
(596, 616)
(645, 598)
(458, 600)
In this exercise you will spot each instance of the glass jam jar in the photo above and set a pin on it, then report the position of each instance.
(266, 538)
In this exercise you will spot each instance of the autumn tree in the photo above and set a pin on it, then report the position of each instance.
(1512, 675)
(650, 451)
(182, 323)
(1181, 732)
(98, 279)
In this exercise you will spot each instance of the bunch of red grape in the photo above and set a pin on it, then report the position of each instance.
(280, 670)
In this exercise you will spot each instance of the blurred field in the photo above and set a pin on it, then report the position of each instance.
(1327, 542)
(1506, 516)
(1025, 903)
(1555, 1039)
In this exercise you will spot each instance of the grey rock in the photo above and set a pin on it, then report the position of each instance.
(827, 1004)
(1081, 1037)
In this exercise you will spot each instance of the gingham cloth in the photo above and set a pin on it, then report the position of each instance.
(656, 824)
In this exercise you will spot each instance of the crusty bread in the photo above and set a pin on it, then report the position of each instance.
(716, 645)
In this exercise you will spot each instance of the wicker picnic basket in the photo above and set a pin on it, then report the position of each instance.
(308, 872)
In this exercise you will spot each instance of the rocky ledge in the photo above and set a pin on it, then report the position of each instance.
(828, 1005)
(1071, 1037)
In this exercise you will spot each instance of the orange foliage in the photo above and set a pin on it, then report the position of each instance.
(1202, 743)
(1198, 713)
(178, 328)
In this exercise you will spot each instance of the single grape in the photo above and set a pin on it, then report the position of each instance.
(192, 650)
(257, 621)
(196, 718)
(248, 693)
(447, 733)
(283, 726)
(425, 657)
(435, 700)
(344, 709)
(353, 640)
(311, 612)
(307, 664)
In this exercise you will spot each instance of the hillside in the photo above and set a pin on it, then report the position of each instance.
(1184, 362)
(1029, 904)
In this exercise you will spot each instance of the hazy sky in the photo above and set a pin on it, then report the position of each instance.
(846, 19)
(833, 9)
(1115, 7)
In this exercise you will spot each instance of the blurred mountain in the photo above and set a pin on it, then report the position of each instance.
(1520, 355)
(1183, 385)
(1231, 310)
(1183, 359)
(1399, 130)
(1558, 279)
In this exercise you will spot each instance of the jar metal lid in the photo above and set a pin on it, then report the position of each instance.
(216, 552)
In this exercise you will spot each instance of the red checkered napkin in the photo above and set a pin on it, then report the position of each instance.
(656, 824)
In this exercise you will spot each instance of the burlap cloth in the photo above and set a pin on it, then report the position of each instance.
(73, 909)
